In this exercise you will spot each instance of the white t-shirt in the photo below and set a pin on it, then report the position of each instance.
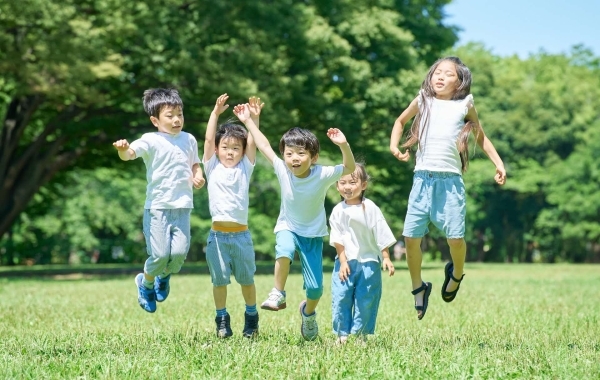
(169, 160)
(302, 209)
(362, 231)
(228, 190)
(446, 120)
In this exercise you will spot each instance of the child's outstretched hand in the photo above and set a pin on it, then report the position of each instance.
(388, 265)
(336, 136)
(198, 182)
(255, 106)
(344, 271)
(242, 111)
(401, 156)
(121, 145)
(220, 105)
(500, 176)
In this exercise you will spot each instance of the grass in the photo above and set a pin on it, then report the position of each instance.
(508, 321)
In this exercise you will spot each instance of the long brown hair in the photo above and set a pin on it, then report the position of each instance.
(422, 118)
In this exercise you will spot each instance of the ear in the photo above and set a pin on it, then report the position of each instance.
(154, 121)
(364, 186)
(314, 159)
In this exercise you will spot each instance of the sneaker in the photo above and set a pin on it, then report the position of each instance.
(309, 328)
(146, 297)
(250, 325)
(275, 302)
(162, 288)
(224, 326)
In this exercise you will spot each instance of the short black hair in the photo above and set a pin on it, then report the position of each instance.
(300, 138)
(155, 99)
(231, 130)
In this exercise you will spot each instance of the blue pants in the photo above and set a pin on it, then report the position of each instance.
(167, 233)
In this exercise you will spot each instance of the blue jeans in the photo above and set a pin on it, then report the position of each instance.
(439, 198)
(230, 252)
(355, 302)
(167, 233)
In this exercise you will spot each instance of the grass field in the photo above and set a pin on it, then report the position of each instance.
(508, 321)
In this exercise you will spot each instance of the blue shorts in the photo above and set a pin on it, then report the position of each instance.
(310, 251)
(439, 198)
(230, 252)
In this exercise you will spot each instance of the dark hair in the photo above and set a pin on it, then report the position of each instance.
(230, 130)
(427, 92)
(155, 99)
(300, 138)
(360, 173)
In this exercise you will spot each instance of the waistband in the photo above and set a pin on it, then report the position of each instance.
(430, 174)
(229, 229)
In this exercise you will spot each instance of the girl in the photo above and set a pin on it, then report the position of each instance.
(445, 115)
(361, 238)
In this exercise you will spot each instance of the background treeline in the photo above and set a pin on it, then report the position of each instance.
(72, 74)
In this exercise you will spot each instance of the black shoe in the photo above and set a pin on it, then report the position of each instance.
(449, 296)
(250, 325)
(223, 326)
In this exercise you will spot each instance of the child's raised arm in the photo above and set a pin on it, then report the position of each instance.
(486, 145)
(211, 127)
(251, 109)
(338, 138)
(125, 152)
(242, 111)
(404, 117)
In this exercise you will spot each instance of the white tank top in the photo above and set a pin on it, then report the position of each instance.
(438, 151)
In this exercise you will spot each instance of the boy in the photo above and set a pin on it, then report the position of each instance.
(172, 167)
(301, 224)
(229, 156)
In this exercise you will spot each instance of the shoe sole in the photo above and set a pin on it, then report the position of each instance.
(277, 308)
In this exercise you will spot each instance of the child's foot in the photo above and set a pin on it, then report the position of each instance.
(250, 325)
(422, 298)
(146, 297)
(162, 288)
(343, 339)
(309, 328)
(223, 326)
(451, 283)
(275, 302)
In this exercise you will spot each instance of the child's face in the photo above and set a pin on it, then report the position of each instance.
(298, 160)
(170, 120)
(351, 189)
(444, 80)
(230, 151)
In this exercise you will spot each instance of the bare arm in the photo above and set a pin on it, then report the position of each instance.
(197, 176)
(211, 127)
(344, 267)
(387, 263)
(125, 152)
(486, 145)
(254, 107)
(259, 138)
(405, 116)
(339, 139)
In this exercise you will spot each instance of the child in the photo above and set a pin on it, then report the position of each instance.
(229, 156)
(301, 224)
(172, 167)
(361, 238)
(442, 107)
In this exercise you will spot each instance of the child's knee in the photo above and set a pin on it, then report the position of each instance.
(456, 243)
(176, 261)
(314, 293)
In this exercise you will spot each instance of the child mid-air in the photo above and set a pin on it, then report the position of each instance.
(229, 157)
(445, 115)
(172, 168)
(302, 223)
(361, 238)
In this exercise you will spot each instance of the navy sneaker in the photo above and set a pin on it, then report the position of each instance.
(146, 297)
(224, 326)
(250, 325)
(162, 288)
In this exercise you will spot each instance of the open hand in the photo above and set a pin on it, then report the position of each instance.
(336, 136)
(344, 271)
(387, 265)
(500, 176)
(255, 106)
(121, 145)
(220, 105)
(242, 111)
(401, 156)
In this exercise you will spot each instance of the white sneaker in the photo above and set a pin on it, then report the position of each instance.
(309, 328)
(275, 302)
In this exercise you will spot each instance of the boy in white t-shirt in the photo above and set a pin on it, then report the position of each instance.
(229, 157)
(301, 224)
(172, 168)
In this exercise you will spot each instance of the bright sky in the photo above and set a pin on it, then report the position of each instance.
(525, 26)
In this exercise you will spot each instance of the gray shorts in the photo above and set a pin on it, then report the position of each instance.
(167, 233)
(230, 252)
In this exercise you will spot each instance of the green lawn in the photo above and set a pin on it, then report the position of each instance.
(508, 321)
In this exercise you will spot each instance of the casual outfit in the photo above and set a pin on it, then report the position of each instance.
(438, 192)
(363, 232)
(169, 201)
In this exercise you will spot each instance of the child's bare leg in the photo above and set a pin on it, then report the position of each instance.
(414, 257)
(249, 293)
(282, 270)
(458, 251)
(220, 297)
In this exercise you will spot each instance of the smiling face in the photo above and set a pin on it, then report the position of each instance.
(298, 160)
(445, 80)
(170, 120)
(351, 188)
(230, 151)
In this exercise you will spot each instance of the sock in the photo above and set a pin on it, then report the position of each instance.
(251, 310)
(148, 284)
(222, 312)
